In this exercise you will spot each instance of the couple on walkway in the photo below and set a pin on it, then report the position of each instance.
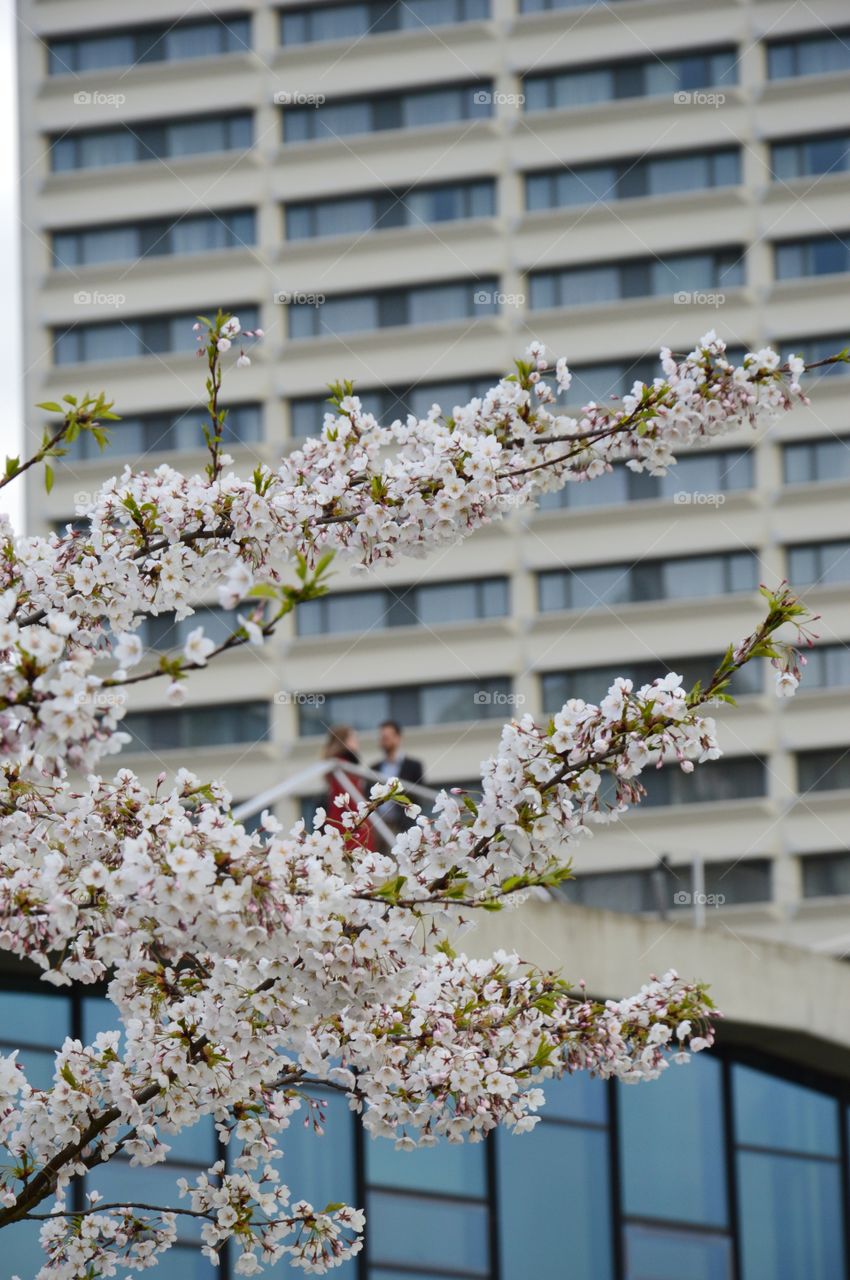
(342, 745)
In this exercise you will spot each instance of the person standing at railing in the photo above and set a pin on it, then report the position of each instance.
(342, 746)
(396, 764)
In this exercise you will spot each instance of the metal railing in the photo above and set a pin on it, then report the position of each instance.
(299, 784)
(341, 770)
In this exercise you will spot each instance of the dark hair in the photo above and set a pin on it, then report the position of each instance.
(336, 744)
(391, 724)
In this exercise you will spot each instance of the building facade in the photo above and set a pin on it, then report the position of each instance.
(406, 194)
(731, 1167)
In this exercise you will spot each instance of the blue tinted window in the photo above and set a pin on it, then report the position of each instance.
(453, 1168)
(671, 1158)
(35, 1018)
(428, 1232)
(653, 1253)
(575, 1097)
(320, 1167)
(554, 1203)
(791, 1217)
(22, 1252)
(770, 1112)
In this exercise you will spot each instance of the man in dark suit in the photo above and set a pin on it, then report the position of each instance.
(395, 764)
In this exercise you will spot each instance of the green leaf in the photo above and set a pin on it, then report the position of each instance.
(51, 406)
(391, 889)
(12, 467)
(68, 1076)
(48, 477)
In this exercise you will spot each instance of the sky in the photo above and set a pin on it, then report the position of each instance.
(10, 346)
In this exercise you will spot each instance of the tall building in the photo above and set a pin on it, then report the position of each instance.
(405, 194)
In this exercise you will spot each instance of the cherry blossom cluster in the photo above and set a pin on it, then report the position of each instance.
(251, 969)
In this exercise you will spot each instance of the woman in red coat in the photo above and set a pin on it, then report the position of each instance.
(341, 746)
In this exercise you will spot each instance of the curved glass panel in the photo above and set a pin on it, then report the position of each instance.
(557, 1178)
(452, 1168)
(775, 1113)
(671, 1156)
(791, 1219)
(654, 1253)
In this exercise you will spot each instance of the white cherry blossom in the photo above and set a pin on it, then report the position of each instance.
(244, 965)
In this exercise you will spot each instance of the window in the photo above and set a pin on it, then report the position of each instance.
(821, 461)
(810, 156)
(686, 577)
(827, 770)
(628, 179)
(222, 725)
(541, 6)
(448, 702)
(789, 1177)
(386, 308)
(46, 1020)
(306, 414)
(428, 1212)
(133, 144)
(132, 338)
(741, 778)
(430, 605)
(132, 46)
(663, 888)
(635, 278)
(592, 683)
(827, 667)
(639, 78)
(155, 433)
(569, 1154)
(809, 55)
(813, 349)
(629, 892)
(826, 875)
(819, 564)
(343, 21)
(381, 211)
(155, 237)
(687, 1183)
(738, 883)
(163, 631)
(813, 256)
(415, 108)
(696, 478)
